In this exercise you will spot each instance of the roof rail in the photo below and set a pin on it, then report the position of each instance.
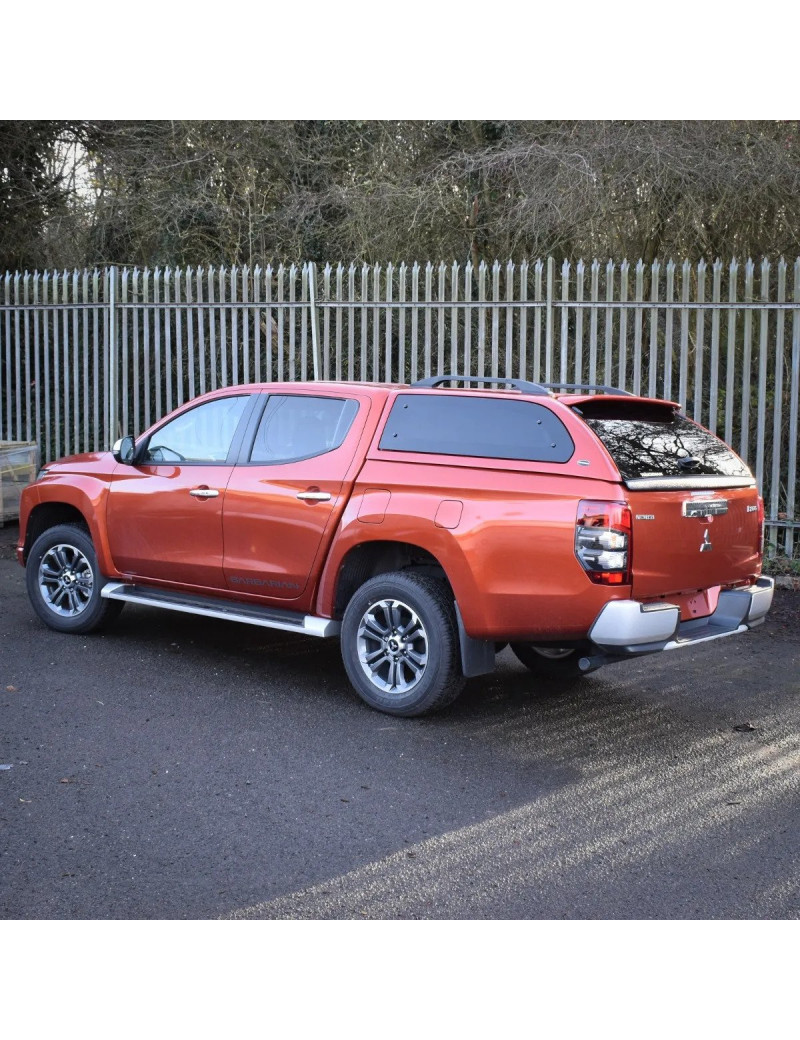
(588, 386)
(522, 385)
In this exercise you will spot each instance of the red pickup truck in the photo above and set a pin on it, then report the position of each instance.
(424, 525)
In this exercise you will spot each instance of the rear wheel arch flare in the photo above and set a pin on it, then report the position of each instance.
(369, 559)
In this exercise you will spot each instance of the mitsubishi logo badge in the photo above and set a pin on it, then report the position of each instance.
(706, 545)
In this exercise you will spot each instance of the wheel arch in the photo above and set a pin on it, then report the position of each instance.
(71, 504)
(50, 514)
(367, 560)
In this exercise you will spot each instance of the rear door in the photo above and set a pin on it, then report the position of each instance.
(289, 489)
(694, 502)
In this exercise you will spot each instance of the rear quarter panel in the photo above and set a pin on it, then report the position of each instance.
(510, 556)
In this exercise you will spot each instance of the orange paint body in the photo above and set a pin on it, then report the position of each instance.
(503, 531)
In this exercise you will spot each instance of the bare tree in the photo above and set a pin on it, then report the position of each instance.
(147, 192)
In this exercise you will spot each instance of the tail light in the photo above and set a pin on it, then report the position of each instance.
(603, 541)
(760, 524)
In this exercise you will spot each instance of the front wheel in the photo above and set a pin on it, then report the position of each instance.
(64, 581)
(549, 661)
(400, 644)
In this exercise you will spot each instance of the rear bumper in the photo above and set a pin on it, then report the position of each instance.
(626, 628)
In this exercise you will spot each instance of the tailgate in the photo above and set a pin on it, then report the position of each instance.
(685, 541)
(694, 503)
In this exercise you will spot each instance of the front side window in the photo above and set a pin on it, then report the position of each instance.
(203, 434)
(299, 427)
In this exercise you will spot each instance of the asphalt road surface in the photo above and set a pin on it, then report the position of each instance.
(178, 768)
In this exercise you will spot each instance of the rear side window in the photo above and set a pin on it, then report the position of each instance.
(484, 427)
(651, 442)
(299, 427)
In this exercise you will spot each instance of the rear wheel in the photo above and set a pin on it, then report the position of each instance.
(550, 661)
(400, 644)
(64, 581)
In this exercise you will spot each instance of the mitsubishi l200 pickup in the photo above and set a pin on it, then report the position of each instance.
(423, 525)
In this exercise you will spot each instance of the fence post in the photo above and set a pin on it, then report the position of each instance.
(112, 359)
(312, 305)
(548, 328)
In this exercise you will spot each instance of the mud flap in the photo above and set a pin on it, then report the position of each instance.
(477, 655)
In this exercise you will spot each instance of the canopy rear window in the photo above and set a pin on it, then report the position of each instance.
(482, 427)
(652, 442)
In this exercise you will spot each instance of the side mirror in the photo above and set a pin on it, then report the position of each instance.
(124, 450)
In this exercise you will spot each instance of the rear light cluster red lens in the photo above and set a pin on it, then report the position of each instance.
(603, 541)
(760, 524)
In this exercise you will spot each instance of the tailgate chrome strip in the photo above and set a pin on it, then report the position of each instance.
(225, 610)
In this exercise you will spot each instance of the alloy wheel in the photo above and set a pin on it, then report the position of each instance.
(66, 580)
(392, 646)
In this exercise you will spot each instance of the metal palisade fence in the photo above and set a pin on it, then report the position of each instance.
(88, 355)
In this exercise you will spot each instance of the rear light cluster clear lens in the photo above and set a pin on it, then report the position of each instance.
(603, 541)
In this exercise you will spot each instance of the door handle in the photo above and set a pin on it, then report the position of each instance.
(314, 496)
(204, 493)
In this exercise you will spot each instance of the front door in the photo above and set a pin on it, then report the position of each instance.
(165, 513)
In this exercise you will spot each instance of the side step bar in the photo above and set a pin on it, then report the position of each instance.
(227, 610)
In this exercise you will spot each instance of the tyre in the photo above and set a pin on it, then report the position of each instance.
(64, 581)
(549, 661)
(400, 644)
